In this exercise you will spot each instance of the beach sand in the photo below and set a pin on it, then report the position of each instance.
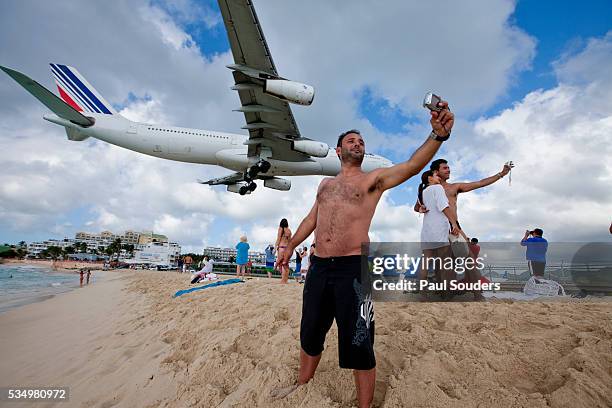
(124, 341)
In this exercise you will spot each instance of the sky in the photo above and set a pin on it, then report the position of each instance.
(528, 81)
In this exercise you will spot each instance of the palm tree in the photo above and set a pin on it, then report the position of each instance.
(53, 251)
(129, 248)
(115, 247)
(68, 250)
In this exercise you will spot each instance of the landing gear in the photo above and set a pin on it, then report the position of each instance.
(248, 188)
(261, 166)
(264, 165)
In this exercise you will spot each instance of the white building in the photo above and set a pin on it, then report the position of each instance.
(105, 238)
(35, 248)
(224, 254)
(157, 253)
(99, 242)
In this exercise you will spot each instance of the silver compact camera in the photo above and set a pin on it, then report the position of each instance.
(431, 102)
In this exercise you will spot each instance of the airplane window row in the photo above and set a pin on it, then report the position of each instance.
(188, 133)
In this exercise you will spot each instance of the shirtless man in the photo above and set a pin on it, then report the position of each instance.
(342, 214)
(452, 190)
(442, 169)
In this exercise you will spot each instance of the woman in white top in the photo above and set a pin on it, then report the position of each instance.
(439, 220)
(305, 262)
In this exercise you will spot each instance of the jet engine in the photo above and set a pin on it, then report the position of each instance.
(278, 184)
(289, 91)
(310, 147)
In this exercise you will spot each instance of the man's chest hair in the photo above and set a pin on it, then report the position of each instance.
(342, 191)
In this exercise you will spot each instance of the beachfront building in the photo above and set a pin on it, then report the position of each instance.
(224, 254)
(157, 253)
(257, 257)
(35, 248)
(105, 238)
(99, 242)
(147, 237)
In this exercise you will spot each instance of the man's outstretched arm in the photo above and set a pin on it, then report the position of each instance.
(465, 187)
(441, 123)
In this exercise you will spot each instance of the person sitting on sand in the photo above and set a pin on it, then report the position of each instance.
(207, 267)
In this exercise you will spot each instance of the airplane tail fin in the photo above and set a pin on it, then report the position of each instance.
(48, 98)
(77, 92)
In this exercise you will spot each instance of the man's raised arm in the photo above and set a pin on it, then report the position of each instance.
(465, 187)
(441, 123)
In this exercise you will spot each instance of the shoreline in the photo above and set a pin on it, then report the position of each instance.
(83, 340)
(61, 266)
(15, 300)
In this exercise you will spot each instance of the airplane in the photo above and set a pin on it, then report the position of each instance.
(274, 146)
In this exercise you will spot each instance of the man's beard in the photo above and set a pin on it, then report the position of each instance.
(348, 156)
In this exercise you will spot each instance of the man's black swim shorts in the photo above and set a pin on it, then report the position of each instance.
(333, 290)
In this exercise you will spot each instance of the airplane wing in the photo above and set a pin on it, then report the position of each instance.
(269, 120)
(230, 179)
(55, 104)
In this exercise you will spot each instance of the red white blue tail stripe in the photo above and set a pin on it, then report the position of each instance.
(77, 92)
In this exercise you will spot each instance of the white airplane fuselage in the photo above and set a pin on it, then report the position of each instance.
(200, 146)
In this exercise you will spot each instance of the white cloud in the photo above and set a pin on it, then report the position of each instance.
(170, 33)
(138, 48)
(561, 143)
(148, 111)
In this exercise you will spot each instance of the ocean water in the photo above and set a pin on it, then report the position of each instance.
(22, 284)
